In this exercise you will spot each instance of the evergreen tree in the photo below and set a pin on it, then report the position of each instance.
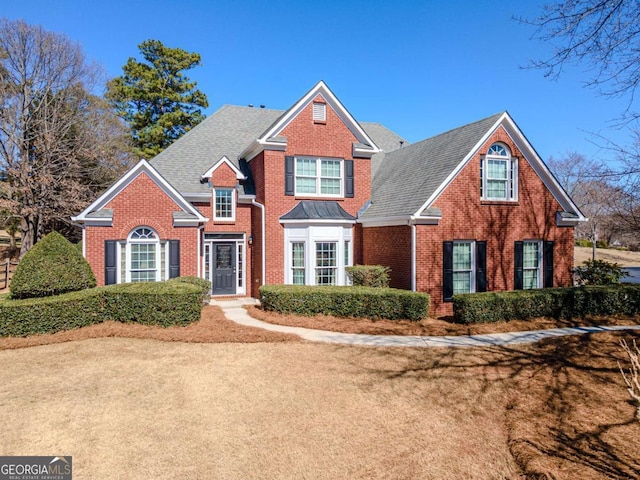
(159, 103)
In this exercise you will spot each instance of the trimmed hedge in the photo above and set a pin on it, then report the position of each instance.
(360, 302)
(154, 303)
(369, 275)
(201, 283)
(52, 267)
(558, 303)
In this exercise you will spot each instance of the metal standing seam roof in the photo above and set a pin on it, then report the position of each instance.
(228, 132)
(410, 175)
(317, 210)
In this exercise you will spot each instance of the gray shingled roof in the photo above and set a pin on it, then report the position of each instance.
(317, 210)
(228, 132)
(410, 175)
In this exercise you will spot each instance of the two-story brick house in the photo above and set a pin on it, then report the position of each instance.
(254, 196)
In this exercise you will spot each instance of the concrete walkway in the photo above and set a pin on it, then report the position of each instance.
(234, 310)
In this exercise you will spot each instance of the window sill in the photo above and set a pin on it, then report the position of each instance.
(321, 198)
(500, 202)
(224, 220)
(320, 122)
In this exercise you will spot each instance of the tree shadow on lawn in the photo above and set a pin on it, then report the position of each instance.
(566, 410)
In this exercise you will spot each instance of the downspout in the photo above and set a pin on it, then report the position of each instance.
(413, 256)
(84, 241)
(263, 239)
(199, 250)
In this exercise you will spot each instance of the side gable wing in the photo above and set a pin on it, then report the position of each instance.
(98, 215)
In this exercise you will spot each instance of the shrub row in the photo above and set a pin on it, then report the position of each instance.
(559, 303)
(154, 303)
(369, 275)
(361, 302)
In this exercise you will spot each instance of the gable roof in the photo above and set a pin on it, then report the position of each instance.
(410, 175)
(97, 214)
(227, 132)
(410, 179)
(271, 138)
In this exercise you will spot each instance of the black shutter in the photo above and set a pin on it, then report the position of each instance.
(547, 263)
(174, 258)
(348, 179)
(289, 176)
(517, 263)
(110, 262)
(481, 266)
(447, 273)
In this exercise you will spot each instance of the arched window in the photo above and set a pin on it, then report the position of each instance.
(499, 174)
(143, 255)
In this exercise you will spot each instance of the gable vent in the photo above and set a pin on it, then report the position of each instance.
(319, 112)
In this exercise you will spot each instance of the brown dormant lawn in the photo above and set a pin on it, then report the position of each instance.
(143, 408)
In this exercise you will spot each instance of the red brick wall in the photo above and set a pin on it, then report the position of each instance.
(142, 203)
(466, 217)
(304, 137)
(390, 246)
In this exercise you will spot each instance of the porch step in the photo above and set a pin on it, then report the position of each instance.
(230, 302)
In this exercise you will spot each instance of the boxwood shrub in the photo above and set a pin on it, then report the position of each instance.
(153, 303)
(361, 302)
(204, 285)
(369, 275)
(53, 266)
(559, 303)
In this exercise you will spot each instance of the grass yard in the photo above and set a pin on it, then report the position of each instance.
(138, 409)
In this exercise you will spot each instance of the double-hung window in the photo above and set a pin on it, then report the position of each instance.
(326, 263)
(297, 263)
(463, 267)
(318, 177)
(531, 264)
(498, 174)
(144, 253)
(224, 204)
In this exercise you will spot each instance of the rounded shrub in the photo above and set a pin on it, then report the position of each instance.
(52, 267)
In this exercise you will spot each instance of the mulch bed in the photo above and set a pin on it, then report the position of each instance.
(428, 327)
(213, 327)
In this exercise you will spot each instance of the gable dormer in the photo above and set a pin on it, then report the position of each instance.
(321, 111)
(223, 178)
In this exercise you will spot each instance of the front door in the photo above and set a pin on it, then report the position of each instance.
(224, 269)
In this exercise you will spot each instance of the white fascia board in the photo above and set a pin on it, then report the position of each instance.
(459, 167)
(323, 90)
(360, 152)
(569, 222)
(95, 222)
(224, 159)
(141, 167)
(187, 222)
(425, 220)
(385, 221)
(246, 198)
(328, 221)
(541, 168)
(258, 146)
(197, 197)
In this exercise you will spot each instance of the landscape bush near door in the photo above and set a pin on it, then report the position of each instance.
(558, 303)
(359, 302)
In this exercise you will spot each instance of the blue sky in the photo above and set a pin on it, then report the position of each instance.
(418, 67)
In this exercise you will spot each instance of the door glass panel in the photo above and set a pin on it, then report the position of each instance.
(223, 257)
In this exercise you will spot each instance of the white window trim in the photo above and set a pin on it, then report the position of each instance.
(304, 261)
(472, 282)
(512, 176)
(232, 218)
(539, 269)
(318, 177)
(132, 241)
(310, 236)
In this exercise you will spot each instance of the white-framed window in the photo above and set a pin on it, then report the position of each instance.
(531, 264)
(463, 267)
(144, 256)
(319, 177)
(317, 254)
(326, 263)
(499, 174)
(298, 268)
(224, 207)
(319, 112)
